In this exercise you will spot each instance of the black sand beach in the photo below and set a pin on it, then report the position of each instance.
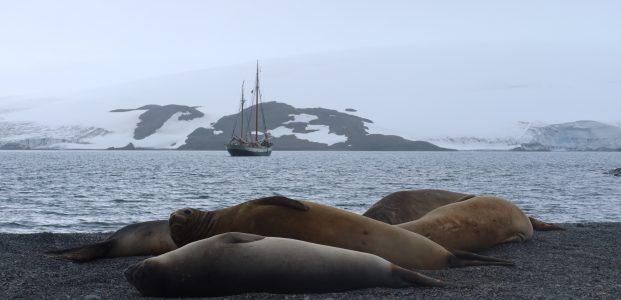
(582, 262)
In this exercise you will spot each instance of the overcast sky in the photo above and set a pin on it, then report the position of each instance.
(49, 47)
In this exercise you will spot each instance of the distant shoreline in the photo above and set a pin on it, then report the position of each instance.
(326, 150)
(577, 263)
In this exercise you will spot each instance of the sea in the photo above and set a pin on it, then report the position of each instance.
(101, 191)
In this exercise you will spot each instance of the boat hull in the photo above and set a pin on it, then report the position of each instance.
(241, 150)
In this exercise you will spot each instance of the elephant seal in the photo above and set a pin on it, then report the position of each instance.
(473, 225)
(405, 206)
(279, 216)
(146, 238)
(233, 263)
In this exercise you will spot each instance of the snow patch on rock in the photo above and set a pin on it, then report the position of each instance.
(321, 134)
(301, 118)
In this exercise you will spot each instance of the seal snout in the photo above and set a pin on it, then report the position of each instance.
(179, 217)
(172, 219)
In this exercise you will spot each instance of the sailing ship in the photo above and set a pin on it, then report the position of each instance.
(247, 143)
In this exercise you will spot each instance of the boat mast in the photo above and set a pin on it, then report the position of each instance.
(241, 131)
(256, 108)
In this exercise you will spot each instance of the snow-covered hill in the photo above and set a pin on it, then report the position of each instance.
(60, 126)
(179, 126)
(307, 129)
(571, 136)
(574, 136)
(172, 126)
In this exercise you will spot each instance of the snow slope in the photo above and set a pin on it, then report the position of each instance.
(579, 135)
(318, 134)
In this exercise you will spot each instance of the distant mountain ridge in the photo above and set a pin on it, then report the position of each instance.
(163, 127)
(582, 135)
(307, 129)
(173, 126)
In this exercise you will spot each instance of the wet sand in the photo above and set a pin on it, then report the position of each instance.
(582, 262)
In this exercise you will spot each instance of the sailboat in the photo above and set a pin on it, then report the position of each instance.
(250, 145)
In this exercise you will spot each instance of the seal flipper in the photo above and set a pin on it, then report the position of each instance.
(282, 201)
(466, 259)
(464, 198)
(82, 253)
(543, 226)
(412, 278)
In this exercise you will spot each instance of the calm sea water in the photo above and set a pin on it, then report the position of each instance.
(93, 191)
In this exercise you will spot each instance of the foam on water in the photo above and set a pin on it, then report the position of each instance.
(93, 191)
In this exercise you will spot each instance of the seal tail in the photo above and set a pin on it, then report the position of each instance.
(543, 226)
(82, 253)
(412, 278)
(466, 259)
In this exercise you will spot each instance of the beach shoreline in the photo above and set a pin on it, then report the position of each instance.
(581, 262)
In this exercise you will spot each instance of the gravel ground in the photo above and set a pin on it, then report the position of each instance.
(582, 262)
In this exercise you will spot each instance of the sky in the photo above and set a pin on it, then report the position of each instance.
(452, 67)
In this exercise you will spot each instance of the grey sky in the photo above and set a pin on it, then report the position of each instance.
(510, 51)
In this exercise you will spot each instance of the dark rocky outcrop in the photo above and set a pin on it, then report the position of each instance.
(532, 147)
(14, 146)
(129, 146)
(615, 172)
(205, 139)
(374, 142)
(155, 116)
(281, 114)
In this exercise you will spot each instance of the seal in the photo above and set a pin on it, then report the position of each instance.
(233, 263)
(405, 206)
(146, 238)
(279, 216)
(474, 224)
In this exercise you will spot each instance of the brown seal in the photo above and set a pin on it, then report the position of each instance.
(473, 225)
(405, 206)
(303, 220)
(233, 263)
(146, 238)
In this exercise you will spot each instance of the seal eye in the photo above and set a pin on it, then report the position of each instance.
(187, 212)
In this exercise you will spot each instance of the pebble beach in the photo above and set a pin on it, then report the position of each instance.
(580, 263)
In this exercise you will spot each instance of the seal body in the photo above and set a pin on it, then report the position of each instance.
(405, 206)
(303, 220)
(233, 263)
(474, 224)
(146, 238)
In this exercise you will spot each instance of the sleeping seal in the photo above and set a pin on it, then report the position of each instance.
(405, 206)
(146, 238)
(473, 225)
(234, 263)
(303, 220)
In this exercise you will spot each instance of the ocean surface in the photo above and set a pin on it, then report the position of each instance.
(95, 191)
